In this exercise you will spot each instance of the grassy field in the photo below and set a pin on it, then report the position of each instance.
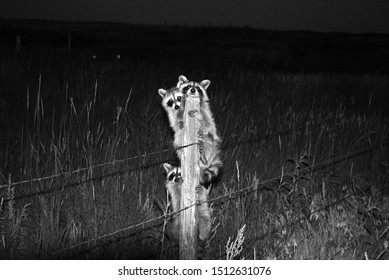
(283, 102)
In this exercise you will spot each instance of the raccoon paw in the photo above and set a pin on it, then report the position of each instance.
(203, 159)
(199, 188)
(192, 113)
(201, 146)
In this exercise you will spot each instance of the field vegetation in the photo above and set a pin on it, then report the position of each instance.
(303, 117)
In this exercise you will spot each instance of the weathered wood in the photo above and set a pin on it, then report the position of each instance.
(190, 172)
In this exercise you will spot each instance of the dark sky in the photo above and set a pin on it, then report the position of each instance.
(357, 16)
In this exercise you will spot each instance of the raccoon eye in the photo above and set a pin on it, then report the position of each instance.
(186, 88)
(171, 176)
(179, 98)
(170, 103)
(200, 91)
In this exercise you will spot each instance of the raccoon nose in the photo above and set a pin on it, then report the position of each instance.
(176, 107)
(192, 90)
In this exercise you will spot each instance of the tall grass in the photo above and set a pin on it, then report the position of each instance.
(60, 115)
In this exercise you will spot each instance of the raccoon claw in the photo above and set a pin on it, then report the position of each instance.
(201, 146)
(202, 157)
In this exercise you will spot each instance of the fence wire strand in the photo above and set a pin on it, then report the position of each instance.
(72, 172)
(234, 194)
(92, 167)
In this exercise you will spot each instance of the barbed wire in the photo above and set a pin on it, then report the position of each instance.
(146, 166)
(92, 167)
(233, 194)
(305, 170)
(142, 224)
(248, 132)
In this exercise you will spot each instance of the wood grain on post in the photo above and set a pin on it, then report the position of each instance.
(190, 171)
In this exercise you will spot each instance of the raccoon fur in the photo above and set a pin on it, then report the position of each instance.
(210, 162)
(171, 102)
(173, 187)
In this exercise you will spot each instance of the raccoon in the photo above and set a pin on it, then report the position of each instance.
(210, 162)
(171, 102)
(173, 187)
(187, 87)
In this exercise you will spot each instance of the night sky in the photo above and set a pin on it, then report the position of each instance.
(357, 16)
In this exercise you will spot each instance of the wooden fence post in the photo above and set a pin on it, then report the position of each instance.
(190, 171)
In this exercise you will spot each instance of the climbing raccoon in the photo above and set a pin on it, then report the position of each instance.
(210, 162)
(173, 187)
(171, 102)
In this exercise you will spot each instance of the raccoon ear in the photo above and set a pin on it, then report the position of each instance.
(181, 79)
(206, 83)
(162, 92)
(166, 166)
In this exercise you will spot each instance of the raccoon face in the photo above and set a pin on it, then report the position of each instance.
(173, 173)
(192, 88)
(171, 98)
